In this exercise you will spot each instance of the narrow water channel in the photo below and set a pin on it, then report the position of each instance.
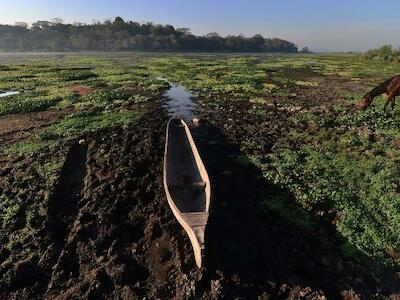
(180, 102)
(10, 93)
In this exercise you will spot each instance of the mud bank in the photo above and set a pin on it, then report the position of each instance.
(106, 231)
(109, 232)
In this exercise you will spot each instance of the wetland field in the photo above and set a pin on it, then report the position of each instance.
(306, 187)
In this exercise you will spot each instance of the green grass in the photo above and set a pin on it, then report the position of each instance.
(25, 105)
(375, 119)
(83, 123)
(47, 169)
(27, 147)
(74, 75)
(340, 159)
(363, 190)
(23, 209)
(348, 159)
(289, 213)
(76, 125)
(44, 84)
(8, 210)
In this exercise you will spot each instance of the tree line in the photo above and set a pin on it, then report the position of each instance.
(119, 35)
(384, 53)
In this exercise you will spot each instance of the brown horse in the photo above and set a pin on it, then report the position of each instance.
(390, 87)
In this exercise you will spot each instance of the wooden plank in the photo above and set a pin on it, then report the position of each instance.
(196, 219)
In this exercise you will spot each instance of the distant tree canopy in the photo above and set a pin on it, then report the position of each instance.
(305, 50)
(384, 53)
(119, 35)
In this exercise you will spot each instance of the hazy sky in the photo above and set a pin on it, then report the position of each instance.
(320, 24)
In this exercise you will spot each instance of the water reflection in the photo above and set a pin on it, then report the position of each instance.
(10, 93)
(180, 102)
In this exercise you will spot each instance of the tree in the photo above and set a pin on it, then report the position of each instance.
(21, 24)
(120, 35)
(184, 30)
(57, 20)
(305, 50)
(41, 25)
(212, 35)
(119, 20)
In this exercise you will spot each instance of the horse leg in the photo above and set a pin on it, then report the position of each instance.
(393, 103)
(390, 98)
(386, 103)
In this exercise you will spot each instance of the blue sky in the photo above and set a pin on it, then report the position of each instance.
(320, 24)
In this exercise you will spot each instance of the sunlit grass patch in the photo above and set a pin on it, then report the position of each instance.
(25, 105)
(270, 87)
(312, 119)
(260, 100)
(84, 122)
(27, 147)
(306, 83)
(374, 118)
(47, 169)
(362, 190)
(75, 75)
(327, 153)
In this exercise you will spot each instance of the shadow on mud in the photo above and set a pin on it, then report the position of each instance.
(251, 249)
(63, 204)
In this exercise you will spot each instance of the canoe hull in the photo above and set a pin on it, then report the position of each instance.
(186, 183)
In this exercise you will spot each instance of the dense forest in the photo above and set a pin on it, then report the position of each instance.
(119, 35)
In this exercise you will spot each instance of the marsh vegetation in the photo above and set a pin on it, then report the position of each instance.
(325, 170)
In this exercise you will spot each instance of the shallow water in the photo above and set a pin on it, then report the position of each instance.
(180, 102)
(10, 93)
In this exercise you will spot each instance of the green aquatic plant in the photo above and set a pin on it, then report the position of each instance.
(362, 190)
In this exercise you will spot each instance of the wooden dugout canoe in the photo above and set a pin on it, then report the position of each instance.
(186, 184)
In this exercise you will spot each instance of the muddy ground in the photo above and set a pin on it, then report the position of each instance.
(256, 253)
(108, 233)
(14, 128)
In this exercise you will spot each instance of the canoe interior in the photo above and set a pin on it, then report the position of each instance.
(185, 184)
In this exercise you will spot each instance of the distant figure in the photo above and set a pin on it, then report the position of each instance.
(390, 87)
